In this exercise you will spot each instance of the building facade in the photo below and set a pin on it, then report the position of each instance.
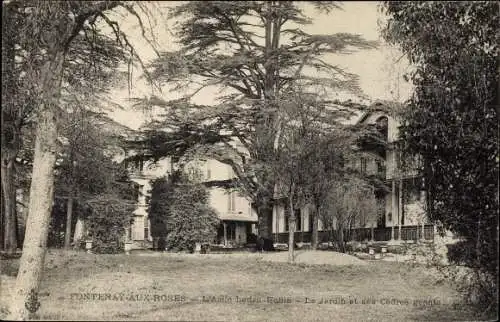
(402, 216)
(237, 219)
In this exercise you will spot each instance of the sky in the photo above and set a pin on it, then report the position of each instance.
(380, 70)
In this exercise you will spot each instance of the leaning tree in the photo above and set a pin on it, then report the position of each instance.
(48, 30)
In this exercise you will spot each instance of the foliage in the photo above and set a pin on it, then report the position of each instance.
(88, 71)
(108, 207)
(162, 197)
(189, 218)
(351, 203)
(85, 172)
(47, 33)
(310, 150)
(108, 211)
(451, 121)
(255, 52)
(103, 199)
(108, 216)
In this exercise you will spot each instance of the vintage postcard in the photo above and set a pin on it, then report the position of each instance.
(249, 161)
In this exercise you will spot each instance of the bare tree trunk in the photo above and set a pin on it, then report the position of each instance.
(11, 121)
(69, 219)
(41, 194)
(314, 238)
(340, 239)
(291, 231)
(78, 234)
(23, 216)
(265, 217)
(10, 234)
(1, 219)
(16, 224)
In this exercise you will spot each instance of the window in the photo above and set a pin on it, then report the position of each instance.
(148, 200)
(398, 157)
(231, 201)
(363, 165)
(298, 220)
(380, 167)
(146, 228)
(139, 192)
(231, 231)
(382, 126)
(139, 165)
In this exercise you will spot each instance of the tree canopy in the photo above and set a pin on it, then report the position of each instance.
(256, 53)
(451, 120)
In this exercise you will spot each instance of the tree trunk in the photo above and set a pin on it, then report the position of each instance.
(1, 219)
(291, 232)
(41, 193)
(9, 233)
(314, 237)
(69, 219)
(16, 225)
(23, 216)
(78, 234)
(340, 237)
(265, 217)
(10, 124)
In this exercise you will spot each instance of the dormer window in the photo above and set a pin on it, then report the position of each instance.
(363, 165)
(382, 124)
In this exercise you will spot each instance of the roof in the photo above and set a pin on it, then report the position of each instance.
(238, 217)
(386, 108)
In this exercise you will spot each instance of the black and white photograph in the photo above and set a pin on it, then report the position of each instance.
(249, 160)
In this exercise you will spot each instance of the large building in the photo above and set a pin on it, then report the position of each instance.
(402, 217)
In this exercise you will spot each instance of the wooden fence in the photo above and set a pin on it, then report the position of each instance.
(363, 234)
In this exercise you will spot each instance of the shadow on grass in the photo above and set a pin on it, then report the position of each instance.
(449, 312)
(9, 267)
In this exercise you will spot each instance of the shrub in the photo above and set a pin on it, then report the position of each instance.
(108, 217)
(162, 194)
(396, 249)
(189, 218)
(461, 253)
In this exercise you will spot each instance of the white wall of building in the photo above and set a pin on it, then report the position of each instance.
(279, 224)
(226, 204)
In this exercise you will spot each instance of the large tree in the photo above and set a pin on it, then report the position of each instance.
(451, 121)
(88, 72)
(311, 153)
(85, 160)
(17, 106)
(351, 203)
(254, 51)
(48, 30)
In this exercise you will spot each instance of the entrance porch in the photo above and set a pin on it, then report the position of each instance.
(234, 233)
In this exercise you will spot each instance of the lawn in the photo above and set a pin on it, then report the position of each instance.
(172, 287)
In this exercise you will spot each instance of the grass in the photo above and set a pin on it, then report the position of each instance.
(71, 277)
